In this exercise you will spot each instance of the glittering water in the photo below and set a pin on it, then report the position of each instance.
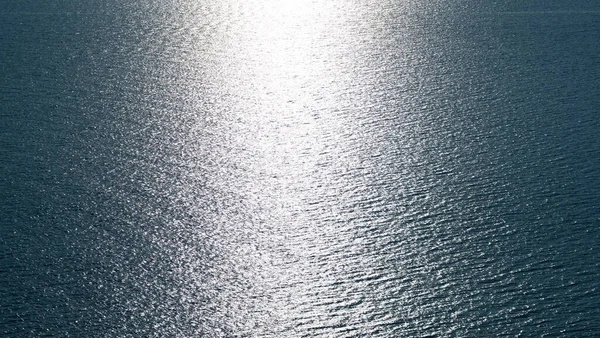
(299, 168)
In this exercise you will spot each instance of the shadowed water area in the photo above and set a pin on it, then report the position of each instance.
(299, 168)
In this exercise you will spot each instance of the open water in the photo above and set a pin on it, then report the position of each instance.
(308, 168)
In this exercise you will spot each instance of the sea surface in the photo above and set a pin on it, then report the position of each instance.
(305, 168)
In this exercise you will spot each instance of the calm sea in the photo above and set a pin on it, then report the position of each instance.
(306, 168)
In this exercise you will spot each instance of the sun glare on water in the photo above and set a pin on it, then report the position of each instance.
(287, 74)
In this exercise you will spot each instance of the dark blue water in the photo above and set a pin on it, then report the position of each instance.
(299, 168)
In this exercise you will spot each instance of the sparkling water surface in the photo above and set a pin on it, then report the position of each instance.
(299, 168)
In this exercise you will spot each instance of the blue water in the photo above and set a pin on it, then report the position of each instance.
(299, 168)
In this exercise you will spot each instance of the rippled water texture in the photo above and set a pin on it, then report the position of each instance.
(299, 168)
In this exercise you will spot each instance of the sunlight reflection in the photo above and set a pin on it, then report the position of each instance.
(286, 114)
